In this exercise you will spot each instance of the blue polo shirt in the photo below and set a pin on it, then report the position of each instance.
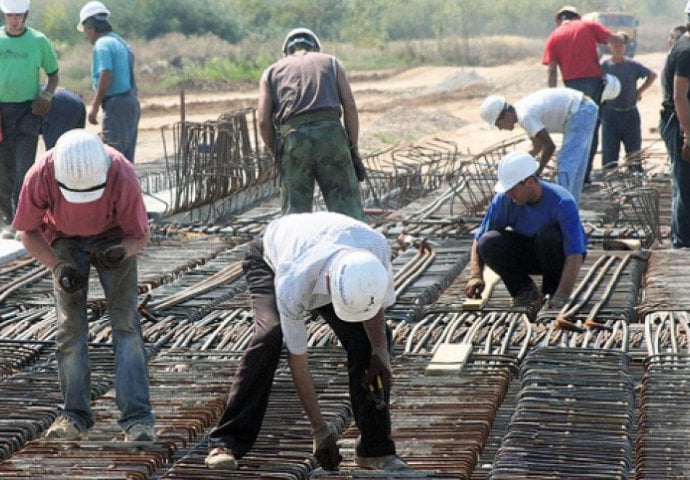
(111, 52)
(556, 207)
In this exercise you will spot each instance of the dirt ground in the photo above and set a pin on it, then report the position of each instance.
(402, 107)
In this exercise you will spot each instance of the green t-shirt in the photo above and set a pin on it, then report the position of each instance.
(21, 59)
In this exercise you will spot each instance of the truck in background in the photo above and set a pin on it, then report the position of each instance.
(617, 21)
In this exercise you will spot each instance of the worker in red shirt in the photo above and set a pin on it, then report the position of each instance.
(572, 48)
(81, 204)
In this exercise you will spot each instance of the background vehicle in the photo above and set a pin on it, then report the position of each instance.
(617, 21)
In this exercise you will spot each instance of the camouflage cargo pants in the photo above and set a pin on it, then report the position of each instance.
(319, 153)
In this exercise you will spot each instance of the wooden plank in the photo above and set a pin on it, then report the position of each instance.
(449, 359)
(491, 278)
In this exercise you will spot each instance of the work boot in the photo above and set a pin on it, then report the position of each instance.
(384, 462)
(530, 299)
(63, 428)
(221, 458)
(140, 432)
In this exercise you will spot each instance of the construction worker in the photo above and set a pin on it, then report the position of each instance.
(24, 52)
(81, 204)
(674, 127)
(531, 227)
(546, 111)
(301, 98)
(67, 111)
(112, 72)
(572, 48)
(339, 267)
(620, 118)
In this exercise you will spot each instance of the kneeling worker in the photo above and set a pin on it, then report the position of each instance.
(531, 227)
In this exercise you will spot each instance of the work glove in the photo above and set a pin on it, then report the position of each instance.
(326, 451)
(685, 151)
(108, 257)
(379, 365)
(68, 279)
(360, 171)
(475, 287)
(557, 300)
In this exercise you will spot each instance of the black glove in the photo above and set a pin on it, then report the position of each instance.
(109, 257)
(360, 171)
(380, 364)
(68, 279)
(326, 451)
(557, 300)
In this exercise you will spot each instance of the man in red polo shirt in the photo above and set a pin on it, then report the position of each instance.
(572, 48)
(81, 204)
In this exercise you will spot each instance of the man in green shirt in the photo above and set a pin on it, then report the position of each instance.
(23, 53)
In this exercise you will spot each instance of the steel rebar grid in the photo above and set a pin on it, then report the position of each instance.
(661, 448)
(666, 285)
(439, 428)
(573, 418)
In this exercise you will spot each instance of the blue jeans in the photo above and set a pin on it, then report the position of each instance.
(616, 127)
(120, 123)
(680, 205)
(573, 157)
(593, 87)
(131, 363)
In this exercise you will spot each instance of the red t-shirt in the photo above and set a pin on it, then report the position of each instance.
(119, 211)
(573, 46)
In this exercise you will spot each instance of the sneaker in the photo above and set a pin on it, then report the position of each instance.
(140, 432)
(385, 462)
(528, 297)
(63, 428)
(221, 458)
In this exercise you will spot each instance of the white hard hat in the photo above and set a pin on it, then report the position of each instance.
(567, 9)
(358, 283)
(612, 87)
(81, 166)
(15, 6)
(491, 109)
(514, 168)
(301, 35)
(92, 9)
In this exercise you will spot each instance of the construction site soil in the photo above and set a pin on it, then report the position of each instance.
(400, 106)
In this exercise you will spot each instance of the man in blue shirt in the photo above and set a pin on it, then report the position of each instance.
(620, 118)
(112, 71)
(531, 227)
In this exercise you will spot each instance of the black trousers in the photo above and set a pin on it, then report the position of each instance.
(244, 412)
(515, 257)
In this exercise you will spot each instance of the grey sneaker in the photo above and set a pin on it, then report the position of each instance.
(220, 458)
(63, 428)
(530, 299)
(527, 296)
(384, 462)
(140, 432)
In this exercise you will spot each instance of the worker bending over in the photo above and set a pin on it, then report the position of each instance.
(339, 267)
(531, 227)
